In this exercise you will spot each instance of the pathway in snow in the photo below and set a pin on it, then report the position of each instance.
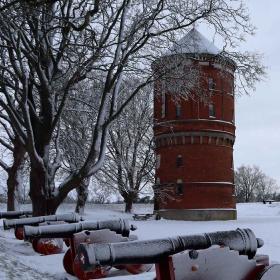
(12, 269)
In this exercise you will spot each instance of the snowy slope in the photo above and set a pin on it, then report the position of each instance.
(17, 257)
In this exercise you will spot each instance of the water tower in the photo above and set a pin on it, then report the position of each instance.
(194, 136)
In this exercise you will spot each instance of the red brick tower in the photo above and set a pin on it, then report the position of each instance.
(195, 136)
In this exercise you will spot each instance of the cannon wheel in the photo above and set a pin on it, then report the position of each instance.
(48, 246)
(272, 272)
(138, 268)
(100, 272)
(68, 263)
(34, 244)
(19, 233)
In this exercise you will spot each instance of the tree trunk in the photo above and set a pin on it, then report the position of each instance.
(82, 195)
(13, 184)
(156, 203)
(128, 205)
(15, 174)
(129, 199)
(43, 202)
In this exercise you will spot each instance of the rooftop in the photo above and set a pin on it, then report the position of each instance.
(194, 42)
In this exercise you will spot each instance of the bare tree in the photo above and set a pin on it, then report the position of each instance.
(266, 189)
(13, 166)
(129, 163)
(48, 47)
(100, 194)
(77, 122)
(252, 184)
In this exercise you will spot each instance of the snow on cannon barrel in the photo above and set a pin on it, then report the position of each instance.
(69, 218)
(15, 214)
(67, 230)
(153, 251)
(18, 224)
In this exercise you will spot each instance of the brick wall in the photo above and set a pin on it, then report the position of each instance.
(204, 143)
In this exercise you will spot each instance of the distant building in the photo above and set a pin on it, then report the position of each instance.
(194, 137)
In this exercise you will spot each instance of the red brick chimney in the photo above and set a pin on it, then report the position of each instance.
(194, 131)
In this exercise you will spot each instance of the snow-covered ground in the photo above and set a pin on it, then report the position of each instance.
(19, 261)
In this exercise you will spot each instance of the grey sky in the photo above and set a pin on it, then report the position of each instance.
(258, 116)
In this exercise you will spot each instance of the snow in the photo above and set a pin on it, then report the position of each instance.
(194, 42)
(19, 261)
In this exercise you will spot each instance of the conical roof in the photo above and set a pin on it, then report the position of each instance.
(194, 42)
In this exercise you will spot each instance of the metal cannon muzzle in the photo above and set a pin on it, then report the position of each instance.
(120, 226)
(69, 218)
(152, 251)
(14, 214)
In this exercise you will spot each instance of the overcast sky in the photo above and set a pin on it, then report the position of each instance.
(258, 115)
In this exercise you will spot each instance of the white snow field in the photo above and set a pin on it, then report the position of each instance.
(19, 261)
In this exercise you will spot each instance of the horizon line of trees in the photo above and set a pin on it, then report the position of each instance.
(253, 185)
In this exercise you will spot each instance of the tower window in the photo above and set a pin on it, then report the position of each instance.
(179, 161)
(211, 84)
(232, 88)
(178, 111)
(212, 112)
(179, 187)
(163, 105)
(158, 161)
(233, 116)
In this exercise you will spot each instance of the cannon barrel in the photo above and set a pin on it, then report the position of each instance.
(69, 218)
(152, 251)
(14, 214)
(67, 230)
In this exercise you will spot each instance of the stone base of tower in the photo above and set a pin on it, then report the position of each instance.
(198, 214)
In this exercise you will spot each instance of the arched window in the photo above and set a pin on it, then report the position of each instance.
(212, 112)
(179, 187)
(179, 161)
(232, 88)
(178, 111)
(233, 116)
(211, 84)
(163, 105)
(158, 161)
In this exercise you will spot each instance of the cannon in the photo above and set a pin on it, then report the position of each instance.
(221, 255)
(89, 232)
(67, 230)
(47, 237)
(152, 251)
(15, 214)
(18, 224)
